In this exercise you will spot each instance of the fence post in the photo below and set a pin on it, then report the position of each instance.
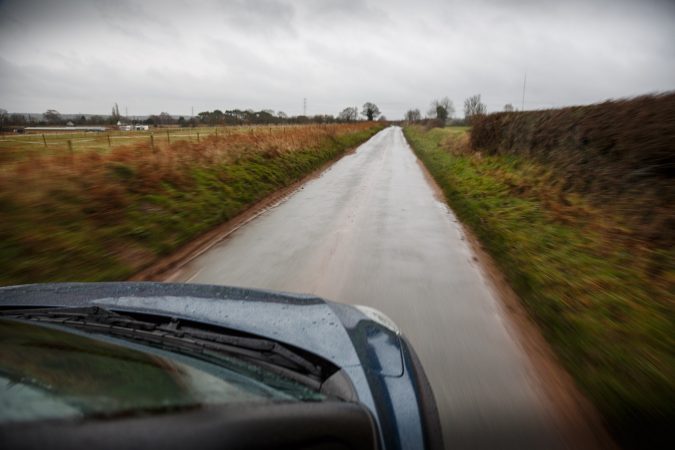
(70, 146)
(44, 139)
(109, 143)
(168, 139)
(152, 142)
(197, 137)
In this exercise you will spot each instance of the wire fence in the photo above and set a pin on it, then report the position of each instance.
(15, 147)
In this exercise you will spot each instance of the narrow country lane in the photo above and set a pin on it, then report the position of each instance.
(371, 230)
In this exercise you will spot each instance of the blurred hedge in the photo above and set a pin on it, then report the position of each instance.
(620, 154)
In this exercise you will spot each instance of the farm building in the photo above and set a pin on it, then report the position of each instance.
(124, 127)
(66, 128)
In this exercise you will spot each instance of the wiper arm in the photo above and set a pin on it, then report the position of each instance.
(172, 334)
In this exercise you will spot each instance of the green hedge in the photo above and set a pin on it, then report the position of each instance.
(609, 317)
(619, 153)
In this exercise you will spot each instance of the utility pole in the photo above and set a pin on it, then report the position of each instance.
(304, 107)
(192, 112)
(522, 107)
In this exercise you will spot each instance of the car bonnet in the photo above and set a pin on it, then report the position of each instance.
(304, 321)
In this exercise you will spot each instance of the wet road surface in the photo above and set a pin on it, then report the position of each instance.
(371, 231)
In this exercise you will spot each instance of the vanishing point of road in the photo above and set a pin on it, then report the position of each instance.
(371, 230)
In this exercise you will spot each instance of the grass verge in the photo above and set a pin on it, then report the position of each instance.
(89, 216)
(603, 299)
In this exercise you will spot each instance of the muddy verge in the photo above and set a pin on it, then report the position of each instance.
(579, 423)
(169, 267)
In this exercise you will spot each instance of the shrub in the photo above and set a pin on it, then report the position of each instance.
(619, 153)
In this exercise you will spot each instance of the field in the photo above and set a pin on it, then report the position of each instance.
(19, 146)
(604, 302)
(100, 213)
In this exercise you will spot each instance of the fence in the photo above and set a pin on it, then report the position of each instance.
(18, 146)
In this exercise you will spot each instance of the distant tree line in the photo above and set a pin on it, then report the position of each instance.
(370, 111)
(216, 117)
(441, 112)
(263, 117)
(52, 117)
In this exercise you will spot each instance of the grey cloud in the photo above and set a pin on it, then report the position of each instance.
(83, 55)
(256, 17)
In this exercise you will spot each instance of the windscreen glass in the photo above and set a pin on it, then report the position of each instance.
(49, 372)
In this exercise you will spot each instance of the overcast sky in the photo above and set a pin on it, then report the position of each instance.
(151, 56)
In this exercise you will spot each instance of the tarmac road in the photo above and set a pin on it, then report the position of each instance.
(371, 230)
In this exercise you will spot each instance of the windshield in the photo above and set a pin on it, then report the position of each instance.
(53, 372)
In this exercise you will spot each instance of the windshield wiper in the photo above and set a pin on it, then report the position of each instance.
(179, 335)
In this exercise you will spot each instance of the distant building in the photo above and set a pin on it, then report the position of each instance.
(67, 128)
(125, 127)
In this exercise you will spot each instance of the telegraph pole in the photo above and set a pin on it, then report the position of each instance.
(522, 107)
(304, 106)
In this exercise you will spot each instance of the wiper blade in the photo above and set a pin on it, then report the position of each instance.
(172, 333)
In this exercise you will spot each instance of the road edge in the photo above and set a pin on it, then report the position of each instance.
(576, 418)
(168, 268)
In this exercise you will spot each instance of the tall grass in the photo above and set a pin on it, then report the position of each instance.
(605, 302)
(88, 215)
(15, 147)
(618, 154)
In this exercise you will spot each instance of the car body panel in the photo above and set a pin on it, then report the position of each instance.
(369, 353)
(311, 326)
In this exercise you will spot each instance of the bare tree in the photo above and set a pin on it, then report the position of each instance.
(52, 116)
(413, 115)
(165, 118)
(442, 109)
(473, 108)
(17, 119)
(349, 114)
(115, 116)
(370, 110)
(508, 107)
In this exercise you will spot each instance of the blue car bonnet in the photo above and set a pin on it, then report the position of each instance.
(304, 321)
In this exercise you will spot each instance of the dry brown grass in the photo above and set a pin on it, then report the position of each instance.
(39, 175)
(91, 215)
